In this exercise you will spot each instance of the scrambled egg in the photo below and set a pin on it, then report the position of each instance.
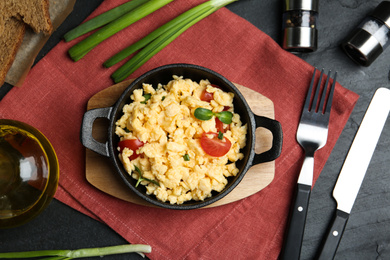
(172, 156)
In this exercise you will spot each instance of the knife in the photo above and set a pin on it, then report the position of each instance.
(354, 169)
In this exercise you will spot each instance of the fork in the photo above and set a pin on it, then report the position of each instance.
(312, 135)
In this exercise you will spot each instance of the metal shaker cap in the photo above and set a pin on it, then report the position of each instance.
(308, 5)
(362, 47)
(382, 12)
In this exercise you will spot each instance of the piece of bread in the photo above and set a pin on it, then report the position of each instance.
(10, 41)
(14, 16)
(35, 13)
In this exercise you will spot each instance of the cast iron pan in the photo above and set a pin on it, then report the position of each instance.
(163, 75)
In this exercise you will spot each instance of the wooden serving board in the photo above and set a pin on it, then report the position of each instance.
(101, 174)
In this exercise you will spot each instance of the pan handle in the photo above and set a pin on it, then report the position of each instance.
(277, 140)
(86, 130)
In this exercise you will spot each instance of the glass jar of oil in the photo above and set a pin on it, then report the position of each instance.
(28, 173)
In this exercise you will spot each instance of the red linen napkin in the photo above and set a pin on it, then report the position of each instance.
(54, 96)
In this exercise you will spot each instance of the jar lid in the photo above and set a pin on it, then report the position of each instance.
(300, 39)
(382, 12)
(309, 5)
(362, 47)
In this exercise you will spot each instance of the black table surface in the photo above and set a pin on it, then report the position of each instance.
(367, 235)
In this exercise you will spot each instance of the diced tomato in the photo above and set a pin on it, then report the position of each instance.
(219, 126)
(132, 144)
(214, 146)
(206, 96)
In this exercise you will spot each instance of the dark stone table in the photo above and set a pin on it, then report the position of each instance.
(367, 235)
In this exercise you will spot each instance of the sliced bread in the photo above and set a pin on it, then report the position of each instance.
(35, 13)
(10, 41)
(14, 16)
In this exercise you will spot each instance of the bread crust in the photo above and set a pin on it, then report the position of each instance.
(15, 15)
(47, 16)
(10, 41)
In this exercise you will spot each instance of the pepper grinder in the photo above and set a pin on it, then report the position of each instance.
(300, 25)
(371, 37)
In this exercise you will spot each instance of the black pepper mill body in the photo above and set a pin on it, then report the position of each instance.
(300, 25)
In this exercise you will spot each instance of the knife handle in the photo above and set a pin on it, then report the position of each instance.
(332, 240)
(294, 236)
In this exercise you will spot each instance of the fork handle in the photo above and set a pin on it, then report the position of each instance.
(294, 236)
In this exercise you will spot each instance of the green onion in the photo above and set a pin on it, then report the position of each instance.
(179, 20)
(186, 157)
(205, 114)
(141, 178)
(147, 97)
(80, 49)
(80, 253)
(165, 38)
(148, 52)
(102, 19)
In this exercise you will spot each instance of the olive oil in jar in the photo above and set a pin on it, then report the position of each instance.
(26, 184)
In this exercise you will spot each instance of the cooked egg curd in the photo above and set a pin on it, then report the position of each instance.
(169, 152)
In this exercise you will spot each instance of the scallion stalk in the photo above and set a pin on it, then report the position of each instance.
(80, 253)
(181, 19)
(102, 19)
(152, 48)
(80, 49)
(164, 39)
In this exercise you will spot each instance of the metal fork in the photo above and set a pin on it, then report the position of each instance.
(312, 135)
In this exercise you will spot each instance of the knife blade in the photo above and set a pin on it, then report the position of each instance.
(354, 169)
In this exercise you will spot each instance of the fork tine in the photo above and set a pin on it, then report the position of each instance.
(308, 95)
(315, 99)
(321, 107)
(330, 98)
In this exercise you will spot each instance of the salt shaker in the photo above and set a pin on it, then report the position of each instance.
(300, 25)
(371, 37)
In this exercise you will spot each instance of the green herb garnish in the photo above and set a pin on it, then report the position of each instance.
(225, 117)
(220, 135)
(147, 97)
(186, 157)
(141, 178)
(205, 114)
